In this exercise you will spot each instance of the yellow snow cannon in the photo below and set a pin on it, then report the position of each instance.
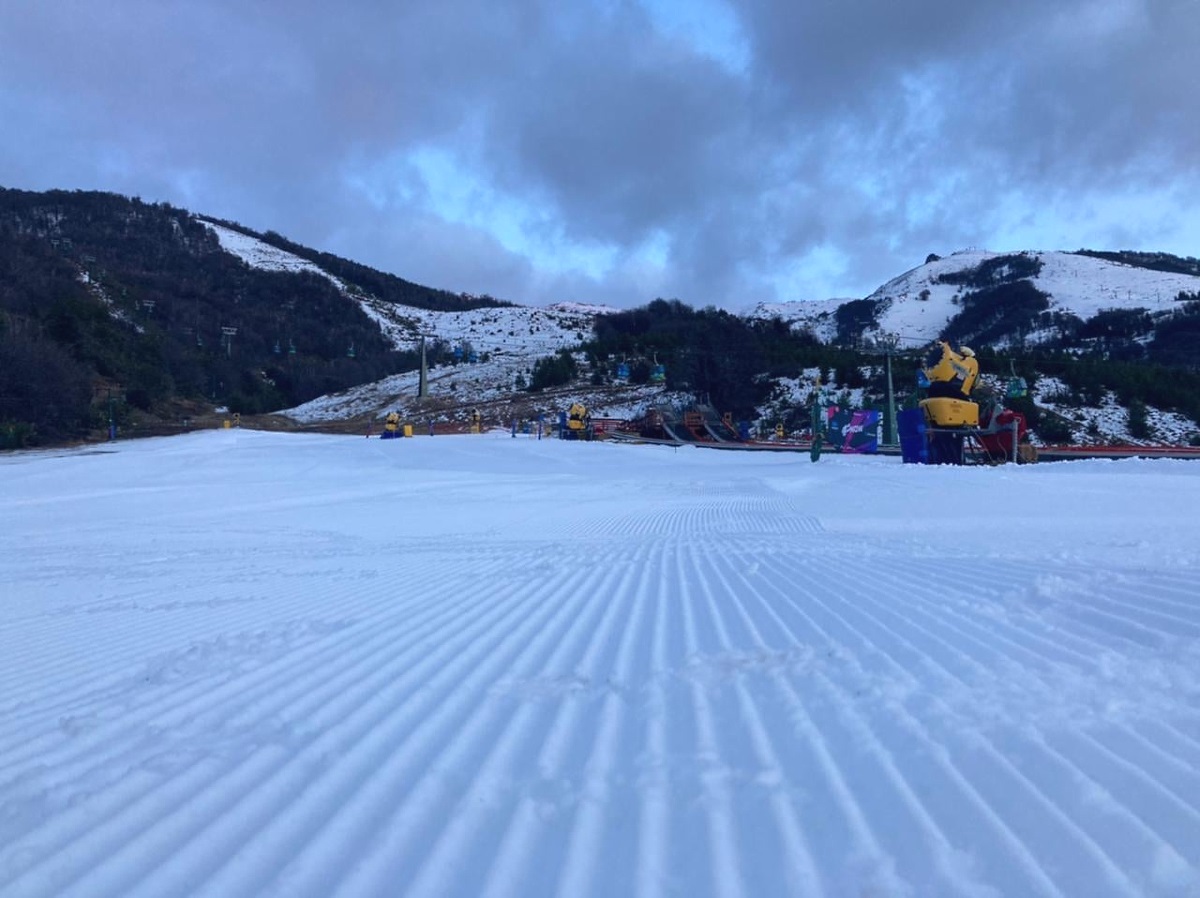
(942, 411)
(576, 423)
(951, 377)
(949, 411)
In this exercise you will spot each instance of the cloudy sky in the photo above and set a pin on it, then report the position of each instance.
(722, 152)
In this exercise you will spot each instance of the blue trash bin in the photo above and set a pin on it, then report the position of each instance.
(914, 448)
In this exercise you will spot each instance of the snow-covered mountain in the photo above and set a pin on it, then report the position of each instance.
(176, 287)
(815, 315)
(917, 306)
(511, 330)
(503, 341)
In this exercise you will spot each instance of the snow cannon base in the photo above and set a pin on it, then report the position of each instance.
(945, 412)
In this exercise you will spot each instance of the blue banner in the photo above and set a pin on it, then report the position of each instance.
(851, 430)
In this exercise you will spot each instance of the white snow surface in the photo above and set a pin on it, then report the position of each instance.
(243, 664)
(258, 254)
(817, 315)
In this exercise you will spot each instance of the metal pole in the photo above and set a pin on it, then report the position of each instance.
(889, 435)
(818, 435)
(423, 381)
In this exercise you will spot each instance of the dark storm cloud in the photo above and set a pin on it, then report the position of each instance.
(834, 146)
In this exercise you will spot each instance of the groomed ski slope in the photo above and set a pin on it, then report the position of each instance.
(252, 664)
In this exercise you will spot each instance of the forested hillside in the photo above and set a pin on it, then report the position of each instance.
(736, 363)
(105, 298)
(113, 306)
(729, 360)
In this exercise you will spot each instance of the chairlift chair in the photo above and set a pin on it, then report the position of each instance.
(1017, 387)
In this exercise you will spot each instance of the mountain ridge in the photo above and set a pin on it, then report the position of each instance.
(102, 295)
(917, 306)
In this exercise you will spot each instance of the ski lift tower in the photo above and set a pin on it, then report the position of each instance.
(890, 342)
(423, 380)
(119, 396)
(227, 335)
(887, 345)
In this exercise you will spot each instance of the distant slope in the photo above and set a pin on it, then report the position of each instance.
(482, 323)
(257, 253)
(345, 273)
(1153, 261)
(1076, 285)
(992, 298)
(482, 354)
(815, 315)
(110, 305)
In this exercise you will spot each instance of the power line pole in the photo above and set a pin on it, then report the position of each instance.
(112, 420)
(887, 344)
(889, 424)
(423, 381)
